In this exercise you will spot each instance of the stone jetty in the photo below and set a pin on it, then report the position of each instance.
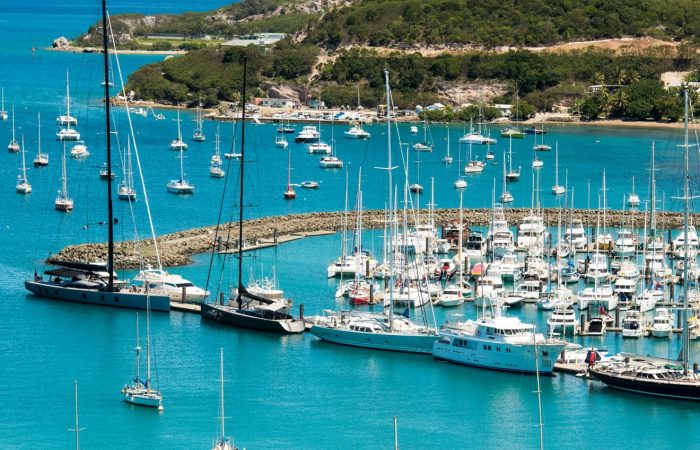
(177, 248)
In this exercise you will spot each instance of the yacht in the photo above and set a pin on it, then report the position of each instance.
(170, 284)
(349, 265)
(452, 295)
(63, 201)
(680, 244)
(331, 162)
(531, 232)
(575, 235)
(475, 246)
(281, 142)
(23, 186)
(562, 320)
(487, 288)
(595, 267)
(320, 148)
(67, 118)
(662, 327)
(632, 326)
(598, 296)
(79, 150)
(499, 342)
(356, 132)
(509, 267)
(68, 134)
(626, 243)
(308, 134)
(530, 289)
(181, 185)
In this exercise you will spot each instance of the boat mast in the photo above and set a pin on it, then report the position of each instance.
(240, 198)
(64, 178)
(539, 390)
(390, 183)
(221, 396)
(68, 98)
(38, 124)
(77, 428)
(138, 351)
(686, 197)
(108, 135)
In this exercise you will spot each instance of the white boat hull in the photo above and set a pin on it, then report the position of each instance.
(399, 342)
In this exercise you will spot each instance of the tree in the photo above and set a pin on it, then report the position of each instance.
(642, 96)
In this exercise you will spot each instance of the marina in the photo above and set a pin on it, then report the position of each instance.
(298, 391)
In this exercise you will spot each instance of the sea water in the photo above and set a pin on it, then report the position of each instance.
(291, 391)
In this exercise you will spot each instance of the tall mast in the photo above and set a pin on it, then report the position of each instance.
(138, 350)
(64, 178)
(686, 198)
(68, 97)
(390, 184)
(240, 198)
(108, 135)
(38, 123)
(221, 395)
(77, 428)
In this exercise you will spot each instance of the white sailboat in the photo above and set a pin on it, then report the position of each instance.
(633, 198)
(67, 119)
(23, 186)
(506, 196)
(424, 146)
(473, 165)
(178, 144)
(198, 134)
(140, 392)
(512, 175)
(63, 201)
(126, 189)
(215, 170)
(222, 442)
(447, 159)
(3, 113)
(41, 159)
(557, 189)
(281, 142)
(181, 185)
(460, 182)
(13, 146)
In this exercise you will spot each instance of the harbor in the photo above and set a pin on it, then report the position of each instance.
(383, 289)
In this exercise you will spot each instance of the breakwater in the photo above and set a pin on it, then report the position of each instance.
(177, 248)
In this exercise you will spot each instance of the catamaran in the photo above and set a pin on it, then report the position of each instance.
(67, 119)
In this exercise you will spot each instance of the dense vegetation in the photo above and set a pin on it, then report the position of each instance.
(541, 78)
(496, 22)
(216, 74)
(280, 16)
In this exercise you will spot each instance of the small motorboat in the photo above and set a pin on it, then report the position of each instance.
(309, 184)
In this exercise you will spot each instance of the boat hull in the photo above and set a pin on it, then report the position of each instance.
(230, 315)
(121, 299)
(144, 399)
(520, 358)
(398, 342)
(669, 389)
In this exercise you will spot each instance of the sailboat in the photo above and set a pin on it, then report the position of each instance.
(289, 194)
(140, 392)
(67, 119)
(41, 159)
(424, 146)
(633, 198)
(89, 282)
(13, 146)
(126, 190)
(63, 201)
(198, 134)
(222, 442)
(473, 165)
(215, 170)
(178, 144)
(514, 132)
(655, 376)
(506, 197)
(23, 186)
(460, 182)
(557, 189)
(384, 331)
(453, 294)
(245, 309)
(447, 159)
(181, 185)
(512, 175)
(541, 147)
(3, 113)
(281, 142)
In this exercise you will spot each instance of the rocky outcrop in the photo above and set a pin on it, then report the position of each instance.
(177, 248)
(60, 43)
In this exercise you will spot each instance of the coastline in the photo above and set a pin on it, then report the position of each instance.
(73, 49)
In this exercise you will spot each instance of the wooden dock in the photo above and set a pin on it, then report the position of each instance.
(185, 307)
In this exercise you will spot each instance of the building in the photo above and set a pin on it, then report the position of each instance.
(275, 102)
(262, 39)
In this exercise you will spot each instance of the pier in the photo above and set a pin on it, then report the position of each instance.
(176, 249)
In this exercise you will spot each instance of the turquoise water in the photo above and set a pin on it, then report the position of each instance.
(282, 392)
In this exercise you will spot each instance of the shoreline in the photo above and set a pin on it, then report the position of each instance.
(177, 249)
(88, 50)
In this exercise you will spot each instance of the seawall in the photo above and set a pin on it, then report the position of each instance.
(177, 248)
